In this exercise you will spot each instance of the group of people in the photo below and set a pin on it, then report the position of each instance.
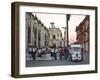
(38, 52)
(63, 52)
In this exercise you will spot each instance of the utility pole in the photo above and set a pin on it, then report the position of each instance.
(67, 26)
(66, 32)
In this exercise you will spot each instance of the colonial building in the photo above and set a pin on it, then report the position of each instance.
(55, 37)
(83, 34)
(44, 36)
(36, 32)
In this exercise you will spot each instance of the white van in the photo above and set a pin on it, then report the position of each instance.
(76, 52)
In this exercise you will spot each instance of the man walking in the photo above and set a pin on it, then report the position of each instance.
(34, 53)
(66, 52)
(61, 53)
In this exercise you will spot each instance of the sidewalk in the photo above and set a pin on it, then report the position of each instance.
(47, 60)
(45, 57)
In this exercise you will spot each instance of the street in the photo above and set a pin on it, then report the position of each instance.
(47, 60)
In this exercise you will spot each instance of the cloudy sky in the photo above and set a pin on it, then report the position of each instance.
(60, 21)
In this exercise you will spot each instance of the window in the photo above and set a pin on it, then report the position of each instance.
(54, 37)
(76, 49)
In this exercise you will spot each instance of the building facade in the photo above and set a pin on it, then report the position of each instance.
(36, 32)
(55, 37)
(83, 34)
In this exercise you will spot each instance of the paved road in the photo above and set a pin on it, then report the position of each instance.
(46, 60)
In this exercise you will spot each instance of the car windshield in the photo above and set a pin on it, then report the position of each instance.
(76, 49)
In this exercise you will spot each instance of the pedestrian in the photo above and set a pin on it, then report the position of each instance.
(52, 52)
(55, 53)
(39, 52)
(43, 50)
(30, 50)
(66, 53)
(61, 53)
(34, 53)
